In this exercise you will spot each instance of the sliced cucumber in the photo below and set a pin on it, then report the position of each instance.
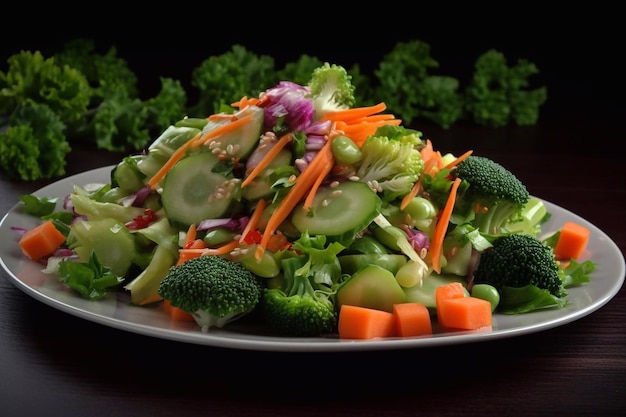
(390, 261)
(345, 209)
(243, 139)
(163, 147)
(192, 192)
(261, 186)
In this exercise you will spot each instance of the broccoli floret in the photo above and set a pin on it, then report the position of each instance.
(330, 89)
(519, 260)
(214, 290)
(391, 161)
(493, 195)
(299, 306)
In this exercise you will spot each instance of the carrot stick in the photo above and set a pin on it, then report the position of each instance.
(303, 183)
(436, 243)
(458, 160)
(254, 220)
(186, 254)
(354, 113)
(357, 322)
(175, 157)
(191, 234)
(42, 240)
(267, 158)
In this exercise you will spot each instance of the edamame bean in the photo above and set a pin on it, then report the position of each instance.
(345, 151)
(486, 292)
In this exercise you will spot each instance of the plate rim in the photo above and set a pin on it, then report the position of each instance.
(225, 338)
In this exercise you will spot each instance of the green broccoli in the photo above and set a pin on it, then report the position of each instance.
(391, 161)
(491, 196)
(214, 290)
(520, 261)
(331, 89)
(299, 306)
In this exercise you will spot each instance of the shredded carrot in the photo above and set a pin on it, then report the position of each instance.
(428, 165)
(359, 132)
(175, 157)
(185, 254)
(267, 158)
(254, 220)
(308, 201)
(245, 101)
(458, 160)
(436, 243)
(222, 250)
(222, 116)
(191, 234)
(353, 113)
(220, 130)
(302, 185)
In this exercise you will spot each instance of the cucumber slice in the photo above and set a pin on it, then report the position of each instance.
(163, 147)
(345, 209)
(192, 192)
(243, 139)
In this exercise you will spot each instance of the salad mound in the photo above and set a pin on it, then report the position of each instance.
(324, 202)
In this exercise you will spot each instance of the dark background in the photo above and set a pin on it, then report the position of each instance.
(578, 51)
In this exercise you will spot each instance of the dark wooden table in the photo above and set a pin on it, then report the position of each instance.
(55, 364)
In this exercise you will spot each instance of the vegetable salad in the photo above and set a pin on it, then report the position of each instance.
(326, 203)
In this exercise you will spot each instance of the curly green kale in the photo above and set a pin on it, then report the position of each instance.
(497, 94)
(411, 92)
(391, 161)
(214, 290)
(224, 79)
(34, 145)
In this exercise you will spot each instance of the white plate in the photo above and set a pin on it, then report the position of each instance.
(116, 311)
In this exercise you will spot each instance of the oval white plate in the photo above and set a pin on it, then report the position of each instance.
(115, 311)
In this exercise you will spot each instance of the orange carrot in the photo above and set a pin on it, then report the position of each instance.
(220, 130)
(354, 113)
(185, 254)
(267, 158)
(458, 160)
(176, 313)
(418, 184)
(436, 243)
(465, 313)
(254, 220)
(572, 241)
(42, 240)
(357, 322)
(302, 185)
(191, 234)
(222, 250)
(245, 101)
(412, 319)
(175, 157)
(308, 201)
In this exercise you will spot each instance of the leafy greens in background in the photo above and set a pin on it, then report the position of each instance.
(48, 104)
